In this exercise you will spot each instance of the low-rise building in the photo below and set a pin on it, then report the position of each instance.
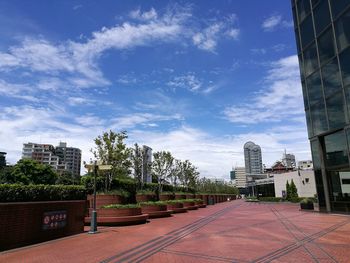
(305, 165)
(304, 181)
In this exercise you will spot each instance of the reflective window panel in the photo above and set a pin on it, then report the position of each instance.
(314, 88)
(318, 118)
(322, 16)
(310, 60)
(326, 46)
(331, 77)
(342, 31)
(336, 111)
(344, 59)
(303, 9)
(306, 32)
(338, 6)
(336, 149)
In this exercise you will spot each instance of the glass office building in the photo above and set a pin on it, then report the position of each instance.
(322, 30)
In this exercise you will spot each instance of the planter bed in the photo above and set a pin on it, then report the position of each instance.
(121, 216)
(180, 196)
(200, 204)
(166, 197)
(145, 197)
(190, 205)
(105, 199)
(177, 207)
(156, 210)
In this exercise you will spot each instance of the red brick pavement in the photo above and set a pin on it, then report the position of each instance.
(228, 232)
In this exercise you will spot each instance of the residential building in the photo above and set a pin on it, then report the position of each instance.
(61, 158)
(288, 160)
(323, 43)
(2, 159)
(69, 156)
(303, 180)
(252, 158)
(305, 165)
(241, 178)
(232, 175)
(147, 161)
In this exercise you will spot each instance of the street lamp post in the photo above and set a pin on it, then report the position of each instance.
(93, 226)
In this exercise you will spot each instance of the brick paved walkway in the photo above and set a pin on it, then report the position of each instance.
(228, 232)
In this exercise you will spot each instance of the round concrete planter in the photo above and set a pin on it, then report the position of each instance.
(177, 208)
(119, 216)
(189, 196)
(190, 205)
(180, 196)
(155, 211)
(200, 204)
(166, 197)
(105, 199)
(145, 197)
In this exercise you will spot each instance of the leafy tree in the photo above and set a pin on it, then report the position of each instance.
(110, 149)
(288, 190)
(293, 191)
(189, 174)
(6, 176)
(162, 167)
(67, 178)
(28, 171)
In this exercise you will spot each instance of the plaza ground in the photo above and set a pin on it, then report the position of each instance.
(234, 231)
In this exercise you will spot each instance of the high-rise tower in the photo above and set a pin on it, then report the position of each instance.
(252, 158)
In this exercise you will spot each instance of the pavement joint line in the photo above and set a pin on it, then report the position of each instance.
(147, 244)
(284, 223)
(199, 255)
(289, 248)
(305, 235)
(178, 236)
(172, 235)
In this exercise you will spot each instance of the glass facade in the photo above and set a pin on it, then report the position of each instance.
(322, 29)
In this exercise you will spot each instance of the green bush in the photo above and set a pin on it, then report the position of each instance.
(27, 193)
(308, 200)
(118, 206)
(153, 203)
(145, 192)
(121, 192)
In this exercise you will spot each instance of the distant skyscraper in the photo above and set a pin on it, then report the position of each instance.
(147, 161)
(288, 160)
(252, 158)
(2, 159)
(322, 30)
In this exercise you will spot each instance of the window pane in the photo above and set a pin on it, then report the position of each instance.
(336, 149)
(318, 118)
(314, 88)
(308, 124)
(326, 47)
(336, 111)
(314, 3)
(315, 155)
(310, 60)
(301, 67)
(306, 103)
(338, 6)
(306, 32)
(303, 8)
(347, 95)
(342, 31)
(344, 59)
(297, 40)
(331, 77)
(322, 16)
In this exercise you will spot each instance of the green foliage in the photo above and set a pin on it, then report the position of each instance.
(67, 178)
(293, 190)
(110, 149)
(145, 192)
(287, 190)
(153, 203)
(6, 176)
(137, 163)
(306, 201)
(121, 192)
(26, 193)
(251, 199)
(161, 168)
(28, 171)
(208, 186)
(118, 206)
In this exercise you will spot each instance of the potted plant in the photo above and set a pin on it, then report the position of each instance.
(145, 196)
(316, 204)
(307, 203)
(176, 206)
(155, 209)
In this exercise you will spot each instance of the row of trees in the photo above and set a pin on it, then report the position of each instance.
(165, 169)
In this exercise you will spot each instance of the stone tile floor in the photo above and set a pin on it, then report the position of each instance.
(234, 231)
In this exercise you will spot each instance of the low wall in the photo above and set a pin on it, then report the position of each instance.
(25, 223)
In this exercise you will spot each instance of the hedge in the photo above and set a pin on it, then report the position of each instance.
(27, 193)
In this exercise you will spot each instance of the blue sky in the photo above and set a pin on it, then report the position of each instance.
(196, 78)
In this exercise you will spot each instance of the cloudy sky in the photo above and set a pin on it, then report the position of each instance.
(196, 78)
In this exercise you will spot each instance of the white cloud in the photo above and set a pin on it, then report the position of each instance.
(188, 81)
(275, 21)
(258, 51)
(280, 100)
(144, 16)
(233, 33)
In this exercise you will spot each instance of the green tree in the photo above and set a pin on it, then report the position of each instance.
(189, 174)
(6, 176)
(293, 191)
(288, 190)
(137, 158)
(28, 171)
(162, 167)
(67, 178)
(111, 149)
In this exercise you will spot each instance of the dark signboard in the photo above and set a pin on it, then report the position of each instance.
(54, 220)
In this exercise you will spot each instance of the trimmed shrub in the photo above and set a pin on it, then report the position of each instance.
(153, 203)
(271, 199)
(121, 192)
(117, 206)
(27, 193)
